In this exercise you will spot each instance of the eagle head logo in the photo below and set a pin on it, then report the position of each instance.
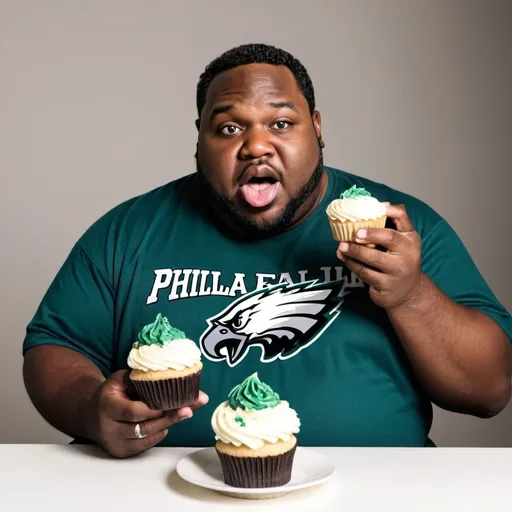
(281, 319)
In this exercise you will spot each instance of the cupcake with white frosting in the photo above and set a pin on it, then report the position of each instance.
(254, 430)
(355, 209)
(166, 366)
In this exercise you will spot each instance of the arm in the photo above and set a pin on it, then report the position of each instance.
(459, 354)
(69, 350)
(61, 383)
(71, 393)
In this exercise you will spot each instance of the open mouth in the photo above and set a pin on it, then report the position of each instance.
(259, 184)
(260, 188)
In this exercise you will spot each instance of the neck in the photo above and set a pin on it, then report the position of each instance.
(308, 207)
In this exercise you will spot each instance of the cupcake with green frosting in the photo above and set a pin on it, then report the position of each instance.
(165, 366)
(355, 209)
(254, 432)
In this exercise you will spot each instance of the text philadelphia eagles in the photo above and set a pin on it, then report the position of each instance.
(185, 283)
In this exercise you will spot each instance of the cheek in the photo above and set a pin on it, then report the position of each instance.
(218, 165)
(300, 161)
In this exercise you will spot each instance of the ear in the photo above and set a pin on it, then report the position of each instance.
(317, 124)
(198, 124)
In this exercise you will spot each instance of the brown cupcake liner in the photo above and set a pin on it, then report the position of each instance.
(168, 394)
(346, 231)
(257, 472)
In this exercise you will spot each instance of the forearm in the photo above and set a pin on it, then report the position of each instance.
(61, 384)
(461, 356)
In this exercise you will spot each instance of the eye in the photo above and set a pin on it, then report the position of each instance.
(281, 125)
(229, 129)
(237, 322)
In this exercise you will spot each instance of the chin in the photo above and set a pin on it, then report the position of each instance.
(265, 223)
(264, 216)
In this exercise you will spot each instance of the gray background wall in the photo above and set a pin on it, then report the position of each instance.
(97, 105)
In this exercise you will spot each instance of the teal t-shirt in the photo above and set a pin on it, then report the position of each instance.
(285, 307)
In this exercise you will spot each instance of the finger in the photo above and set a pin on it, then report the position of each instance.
(120, 380)
(391, 239)
(372, 277)
(187, 412)
(119, 407)
(399, 215)
(380, 260)
(202, 399)
(135, 446)
(148, 427)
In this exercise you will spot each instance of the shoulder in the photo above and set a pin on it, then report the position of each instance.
(424, 218)
(124, 231)
(144, 209)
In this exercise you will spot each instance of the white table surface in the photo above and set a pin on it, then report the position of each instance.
(79, 478)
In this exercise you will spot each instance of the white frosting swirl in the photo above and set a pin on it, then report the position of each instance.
(176, 354)
(254, 428)
(355, 209)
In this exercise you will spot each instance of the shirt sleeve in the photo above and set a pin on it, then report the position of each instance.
(447, 262)
(77, 312)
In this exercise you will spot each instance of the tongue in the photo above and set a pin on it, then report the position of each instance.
(259, 195)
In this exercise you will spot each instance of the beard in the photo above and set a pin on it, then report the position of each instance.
(226, 208)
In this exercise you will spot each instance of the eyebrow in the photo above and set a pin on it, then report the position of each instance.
(284, 104)
(220, 110)
(226, 108)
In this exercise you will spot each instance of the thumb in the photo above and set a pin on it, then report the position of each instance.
(120, 381)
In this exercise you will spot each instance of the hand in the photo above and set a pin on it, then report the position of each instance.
(393, 275)
(114, 418)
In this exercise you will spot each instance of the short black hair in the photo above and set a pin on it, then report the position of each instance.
(255, 54)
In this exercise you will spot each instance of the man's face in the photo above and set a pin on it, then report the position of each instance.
(258, 148)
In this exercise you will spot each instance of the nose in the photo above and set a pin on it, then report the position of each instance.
(257, 144)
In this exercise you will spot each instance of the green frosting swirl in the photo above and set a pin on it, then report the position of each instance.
(355, 192)
(158, 332)
(252, 394)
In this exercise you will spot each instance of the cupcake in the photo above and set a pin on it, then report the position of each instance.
(254, 433)
(166, 366)
(355, 209)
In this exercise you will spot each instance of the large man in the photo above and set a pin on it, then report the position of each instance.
(361, 338)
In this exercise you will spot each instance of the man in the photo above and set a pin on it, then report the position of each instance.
(360, 338)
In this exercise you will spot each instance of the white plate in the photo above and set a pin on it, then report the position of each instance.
(203, 468)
